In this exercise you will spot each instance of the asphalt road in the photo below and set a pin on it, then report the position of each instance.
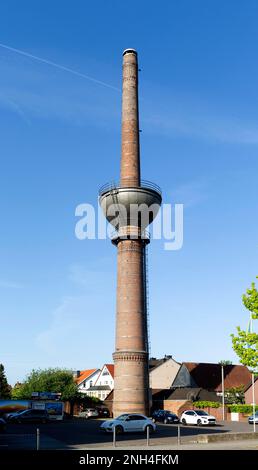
(80, 433)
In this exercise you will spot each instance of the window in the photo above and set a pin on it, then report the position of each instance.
(136, 418)
(201, 413)
(84, 384)
(91, 383)
(106, 382)
(105, 372)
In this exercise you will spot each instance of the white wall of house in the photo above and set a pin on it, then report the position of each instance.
(84, 386)
(163, 375)
(105, 378)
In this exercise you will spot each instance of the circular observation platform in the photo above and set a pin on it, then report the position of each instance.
(130, 206)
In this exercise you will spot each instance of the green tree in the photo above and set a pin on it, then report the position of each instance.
(235, 395)
(245, 343)
(47, 380)
(250, 300)
(5, 388)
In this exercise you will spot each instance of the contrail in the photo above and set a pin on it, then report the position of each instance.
(58, 66)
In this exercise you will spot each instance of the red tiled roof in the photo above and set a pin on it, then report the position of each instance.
(208, 376)
(250, 384)
(84, 374)
(110, 368)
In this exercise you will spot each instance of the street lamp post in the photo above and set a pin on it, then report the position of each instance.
(223, 392)
(253, 391)
(253, 399)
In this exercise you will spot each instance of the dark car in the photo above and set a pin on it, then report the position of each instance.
(9, 416)
(2, 425)
(103, 412)
(30, 416)
(165, 417)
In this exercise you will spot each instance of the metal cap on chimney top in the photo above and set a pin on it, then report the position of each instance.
(130, 51)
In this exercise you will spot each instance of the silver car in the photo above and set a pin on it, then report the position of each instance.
(89, 413)
(253, 418)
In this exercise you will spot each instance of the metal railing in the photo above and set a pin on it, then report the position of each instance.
(112, 186)
(144, 235)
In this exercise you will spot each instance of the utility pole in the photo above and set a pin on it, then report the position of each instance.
(253, 390)
(223, 392)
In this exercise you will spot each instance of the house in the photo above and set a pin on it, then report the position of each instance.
(209, 377)
(249, 392)
(162, 372)
(180, 399)
(104, 383)
(85, 379)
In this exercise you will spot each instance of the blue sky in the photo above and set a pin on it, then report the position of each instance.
(60, 140)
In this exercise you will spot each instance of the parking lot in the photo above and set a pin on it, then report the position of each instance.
(82, 433)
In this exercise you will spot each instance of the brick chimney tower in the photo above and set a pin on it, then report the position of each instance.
(131, 206)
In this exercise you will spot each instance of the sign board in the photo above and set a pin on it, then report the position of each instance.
(46, 395)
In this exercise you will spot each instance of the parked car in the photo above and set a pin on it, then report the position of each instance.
(2, 425)
(198, 417)
(89, 413)
(9, 416)
(103, 412)
(129, 423)
(30, 416)
(164, 416)
(253, 418)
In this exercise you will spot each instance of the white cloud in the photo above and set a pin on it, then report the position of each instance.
(203, 126)
(64, 330)
(190, 194)
(72, 328)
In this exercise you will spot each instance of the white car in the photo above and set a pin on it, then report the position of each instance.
(198, 417)
(89, 413)
(128, 422)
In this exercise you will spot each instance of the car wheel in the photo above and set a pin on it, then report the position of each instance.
(119, 430)
(184, 422)
(151, 429)
(165, 421)
(199, 422)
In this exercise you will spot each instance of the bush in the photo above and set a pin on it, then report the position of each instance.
(241, 408)
(206, 404)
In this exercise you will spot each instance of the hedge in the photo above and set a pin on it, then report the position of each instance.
(206, 404)
(241, 408)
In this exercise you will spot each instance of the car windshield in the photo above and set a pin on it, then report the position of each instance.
(122, 417)
(201, 413)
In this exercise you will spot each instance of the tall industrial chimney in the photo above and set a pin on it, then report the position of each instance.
(131, 206)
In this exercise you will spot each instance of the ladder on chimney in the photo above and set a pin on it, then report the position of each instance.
(146, 298)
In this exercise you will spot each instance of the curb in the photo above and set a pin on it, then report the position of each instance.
(237, 436)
